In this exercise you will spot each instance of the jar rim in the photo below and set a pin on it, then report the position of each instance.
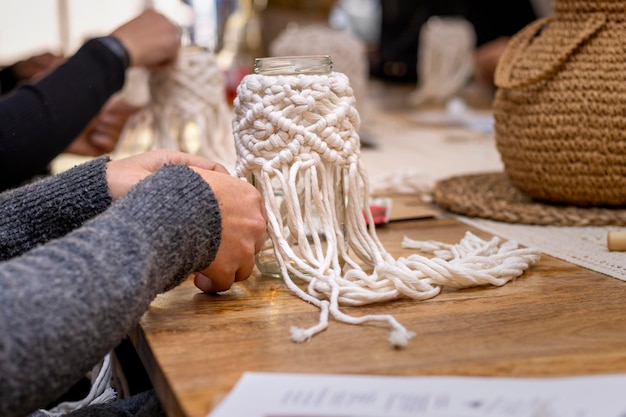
(294, 65)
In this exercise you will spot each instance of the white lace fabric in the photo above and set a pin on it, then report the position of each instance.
(583, 246)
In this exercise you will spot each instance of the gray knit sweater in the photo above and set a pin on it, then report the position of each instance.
(77, 272)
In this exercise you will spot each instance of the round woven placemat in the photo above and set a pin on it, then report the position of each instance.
(492, 196)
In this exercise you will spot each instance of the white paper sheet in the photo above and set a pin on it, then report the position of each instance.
(308, 395)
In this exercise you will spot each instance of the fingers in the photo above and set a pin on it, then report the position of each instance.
(211, 281)
(205, 284)
(244, 226)
(244, 272)
(109, 125)
(36, 66)
(123, 174)
(103, 142)
(230, 265)
(155, 159)
(221, 283)
(103, 132)
(198, 163)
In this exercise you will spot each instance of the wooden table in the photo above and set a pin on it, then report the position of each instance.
(557, 319)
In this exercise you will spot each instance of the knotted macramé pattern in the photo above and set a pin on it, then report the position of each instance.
(297, 133)
(187, 111)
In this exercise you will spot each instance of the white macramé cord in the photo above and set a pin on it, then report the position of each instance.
(298, 133)
(445, 58)
(187, 111)
(101, 391)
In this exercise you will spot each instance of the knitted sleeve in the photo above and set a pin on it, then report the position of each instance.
(52, 207)
(65, 304)
(39, 121)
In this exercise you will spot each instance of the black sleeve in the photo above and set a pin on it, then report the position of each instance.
(8, 80)
(496, 18)
(38, 121)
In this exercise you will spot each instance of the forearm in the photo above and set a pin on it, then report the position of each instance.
(52, 207)
(76, 297)
(38, 121)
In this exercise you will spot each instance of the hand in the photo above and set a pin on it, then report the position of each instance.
(36, 66)
(244, 222)
(103, 132)
(124, 174)
(486, 60)
(244, 225)
(152, 41)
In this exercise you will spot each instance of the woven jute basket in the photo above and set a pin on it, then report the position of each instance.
(560, 107)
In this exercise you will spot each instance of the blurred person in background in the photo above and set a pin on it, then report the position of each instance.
(52, 105)
(101, 135)
(395, 57)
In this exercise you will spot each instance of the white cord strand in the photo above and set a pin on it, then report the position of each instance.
(100, 392)
(297, 134)
(445, 58)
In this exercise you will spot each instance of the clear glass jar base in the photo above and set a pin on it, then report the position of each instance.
(268, 265)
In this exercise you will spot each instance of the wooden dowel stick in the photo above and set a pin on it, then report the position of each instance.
(616, 240)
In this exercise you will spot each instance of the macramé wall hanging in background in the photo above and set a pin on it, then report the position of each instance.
(445, 59)
(187, 111)
(296, 138)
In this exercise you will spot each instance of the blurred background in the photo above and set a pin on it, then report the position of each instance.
(33, 26)
(392, 35)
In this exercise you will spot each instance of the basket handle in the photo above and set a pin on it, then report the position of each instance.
(518, 43)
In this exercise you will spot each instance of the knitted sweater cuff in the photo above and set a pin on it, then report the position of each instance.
(50, 208)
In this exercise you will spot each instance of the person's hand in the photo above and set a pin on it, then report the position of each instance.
(244, 222)
(36, 66)
(123, 174)
(486, 60)
(152, 40)
(244, 225)
(103, 132)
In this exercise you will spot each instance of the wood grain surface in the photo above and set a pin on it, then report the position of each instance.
(555, 320)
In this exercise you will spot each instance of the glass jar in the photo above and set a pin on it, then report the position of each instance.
(314, 228)
(294, 65)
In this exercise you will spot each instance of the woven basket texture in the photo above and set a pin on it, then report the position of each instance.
(560, 107)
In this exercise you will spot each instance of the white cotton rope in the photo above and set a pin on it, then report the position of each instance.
(298, 133)
(445, 59)
(100, 392)
(187, 111)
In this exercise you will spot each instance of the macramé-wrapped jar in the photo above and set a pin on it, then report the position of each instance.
(293, 128)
